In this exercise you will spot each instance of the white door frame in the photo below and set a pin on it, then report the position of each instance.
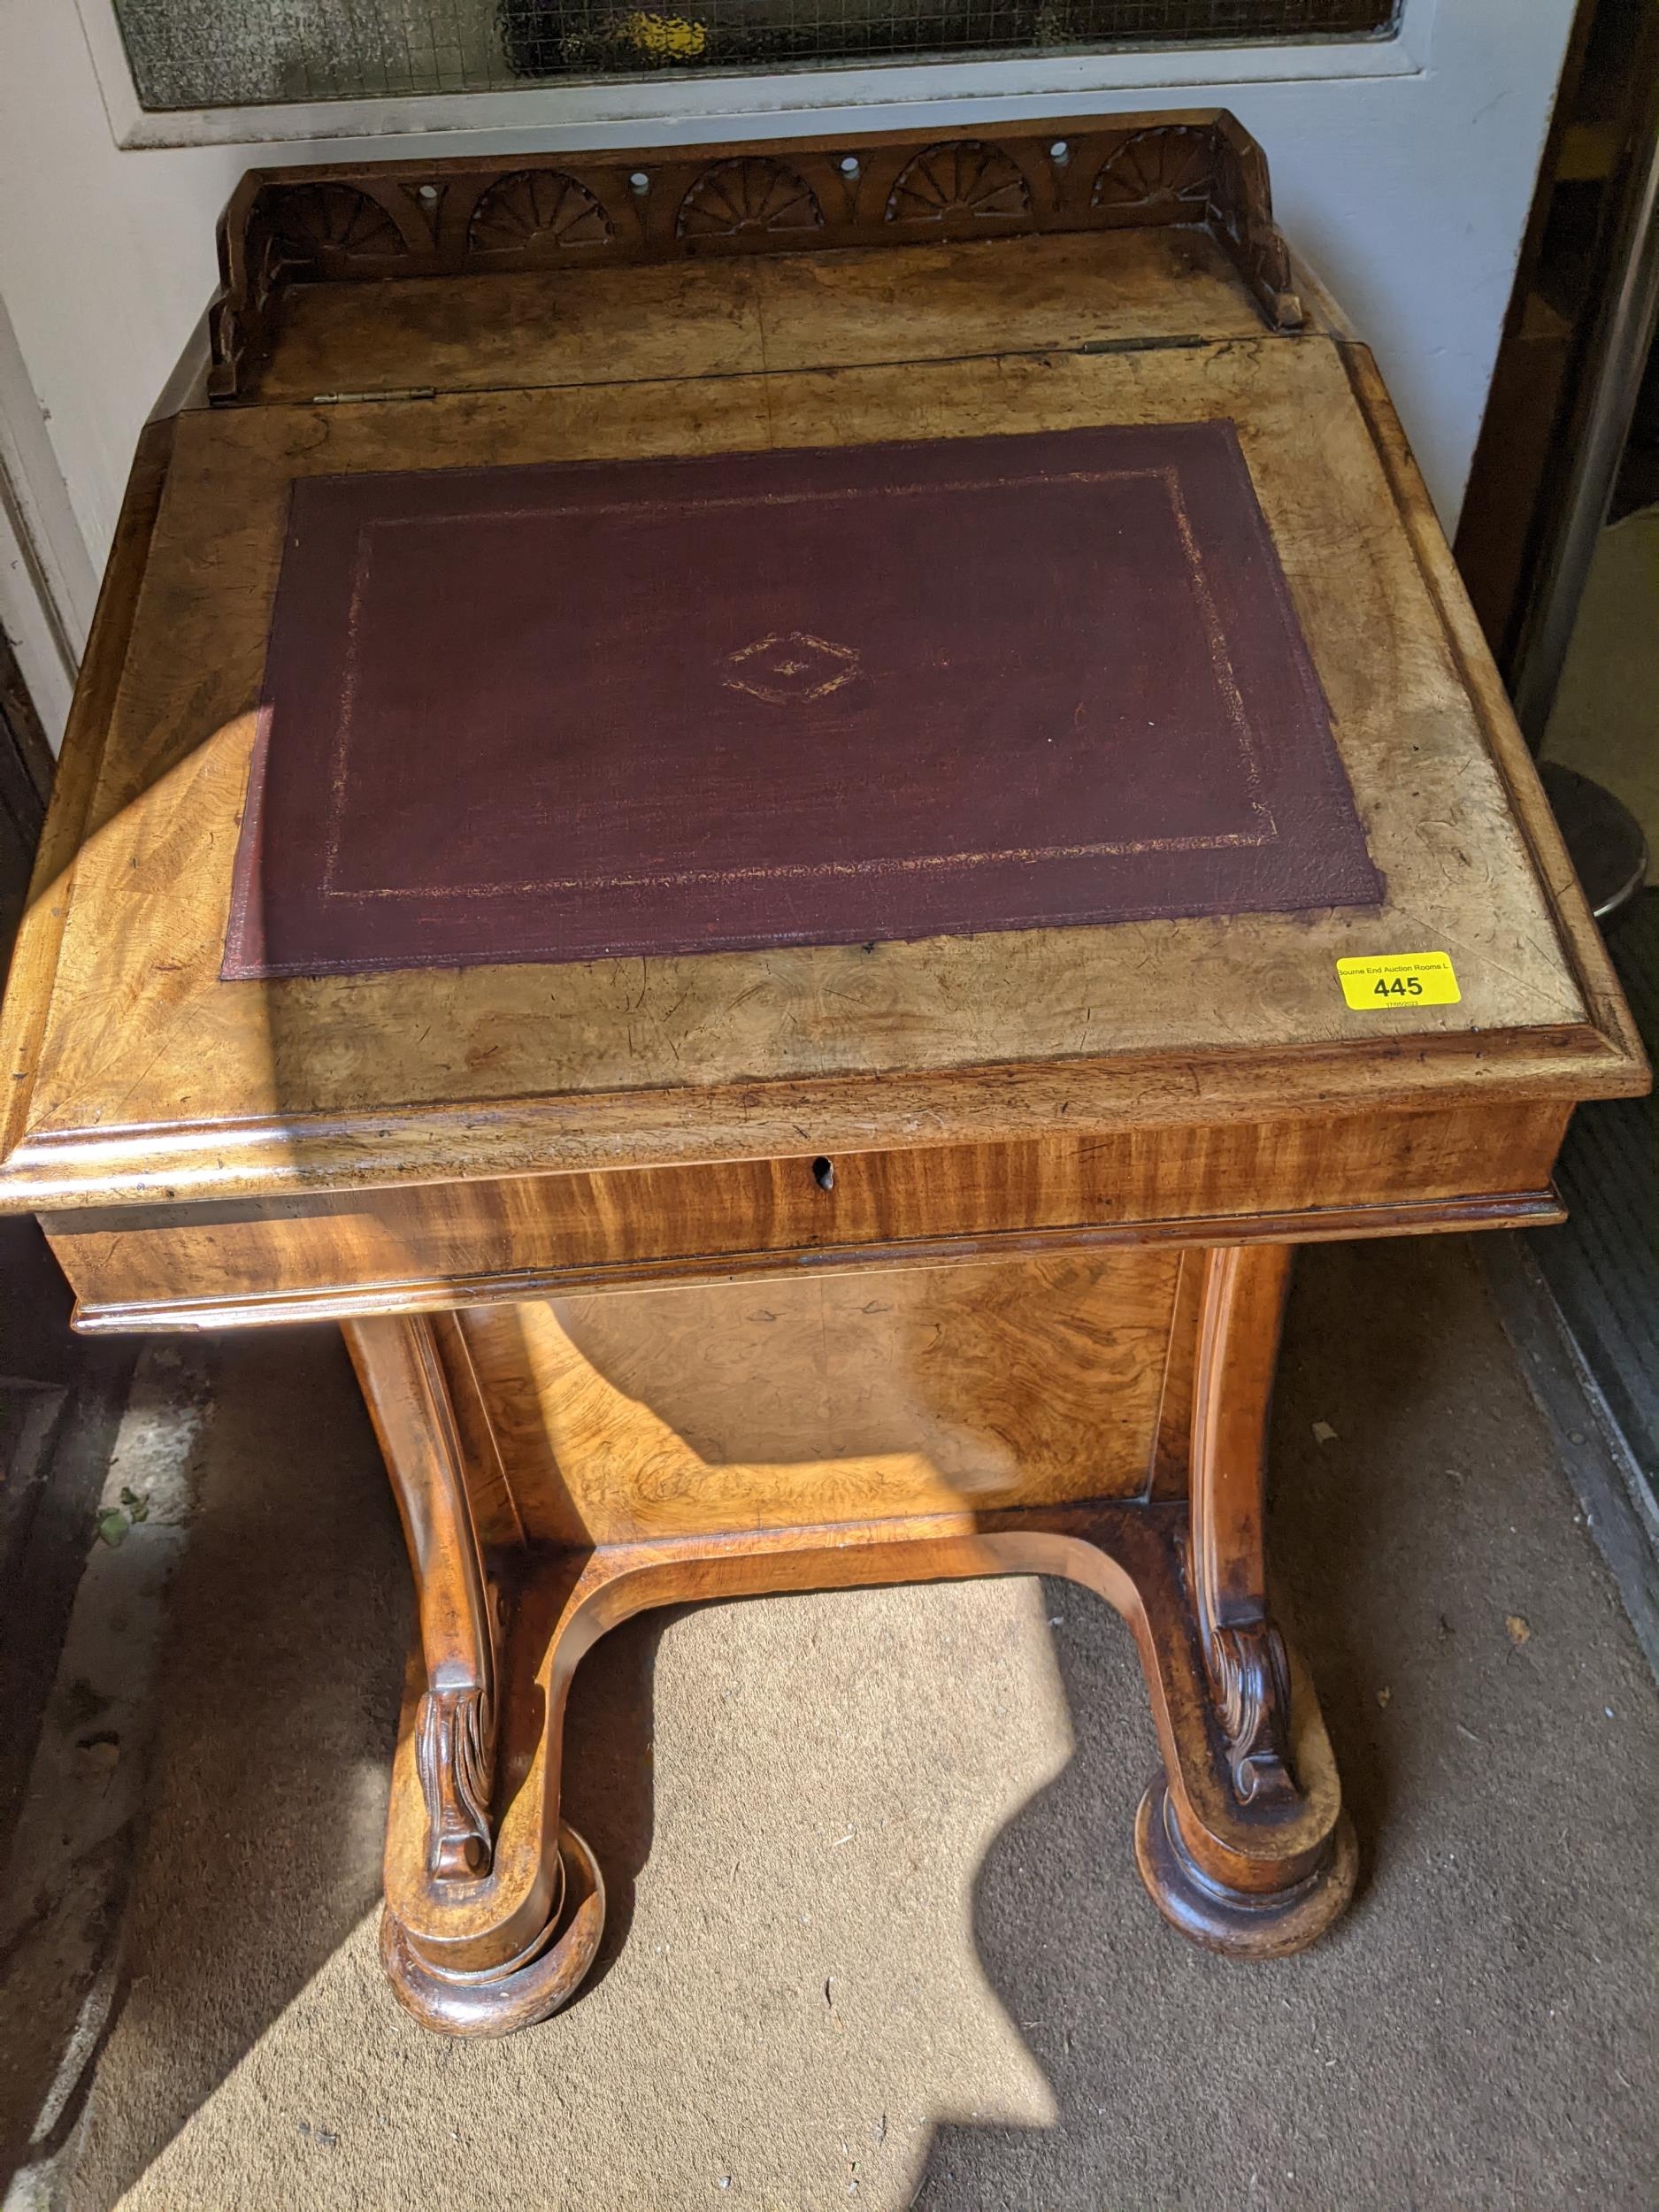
(540, 118)
(48, 584)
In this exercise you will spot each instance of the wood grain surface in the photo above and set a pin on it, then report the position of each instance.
(841, 1399)
(414, 1073)
(416, 1245)
(742, 317)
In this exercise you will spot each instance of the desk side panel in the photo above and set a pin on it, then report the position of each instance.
(829, 1397)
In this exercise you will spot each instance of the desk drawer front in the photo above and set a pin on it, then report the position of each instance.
(440, 1244)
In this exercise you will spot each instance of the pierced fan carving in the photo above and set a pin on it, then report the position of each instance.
(747, 197)
(367, 222)
(1159, 168)
(338, 221)
(266, 271)
(962, 180)
(535, 207)
(1230, 201)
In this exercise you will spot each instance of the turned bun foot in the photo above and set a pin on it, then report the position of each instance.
(529, 1988)
(1240, 1923)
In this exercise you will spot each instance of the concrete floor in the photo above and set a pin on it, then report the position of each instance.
(1605, 722)
(877, 1935)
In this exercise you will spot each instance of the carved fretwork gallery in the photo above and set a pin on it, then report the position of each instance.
(339, 225)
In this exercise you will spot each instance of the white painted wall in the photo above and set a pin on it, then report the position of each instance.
(1406, 191)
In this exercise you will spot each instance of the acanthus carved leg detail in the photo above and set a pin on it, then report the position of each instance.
(455, 1757)
(1253, 1679)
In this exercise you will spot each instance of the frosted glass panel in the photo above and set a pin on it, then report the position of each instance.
(237, 53)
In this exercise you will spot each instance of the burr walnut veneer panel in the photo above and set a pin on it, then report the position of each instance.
(681, 1412)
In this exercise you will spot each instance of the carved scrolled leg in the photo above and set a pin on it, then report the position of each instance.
(1295, 1871)
(472, 1946)
(401, 1370)
(1244, 1653)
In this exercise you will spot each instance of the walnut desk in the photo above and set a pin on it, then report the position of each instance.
(883, 1215)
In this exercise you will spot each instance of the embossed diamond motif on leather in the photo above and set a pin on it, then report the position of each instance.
(827, 696)
(789, 668)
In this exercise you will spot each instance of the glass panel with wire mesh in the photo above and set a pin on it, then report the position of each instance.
(239, 53)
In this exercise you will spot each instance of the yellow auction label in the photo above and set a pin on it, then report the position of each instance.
(1399, 979)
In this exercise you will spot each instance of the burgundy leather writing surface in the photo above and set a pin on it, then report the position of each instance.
(553, 713)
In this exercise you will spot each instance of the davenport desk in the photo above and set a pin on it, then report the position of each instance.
(715, 801)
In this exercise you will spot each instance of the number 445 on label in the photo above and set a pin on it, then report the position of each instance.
(1396, 979)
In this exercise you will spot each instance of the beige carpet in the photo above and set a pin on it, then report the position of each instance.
(876, 1936)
